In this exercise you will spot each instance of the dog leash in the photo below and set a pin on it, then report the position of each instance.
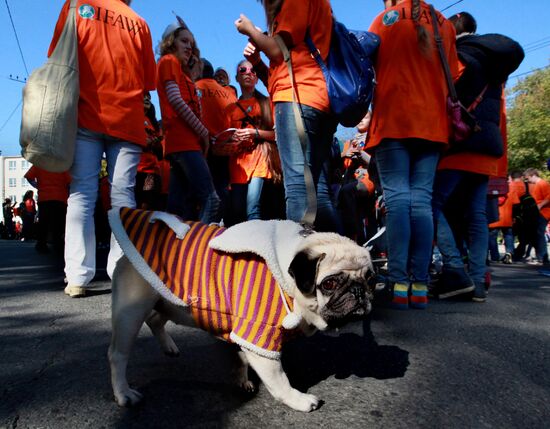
(308, 219)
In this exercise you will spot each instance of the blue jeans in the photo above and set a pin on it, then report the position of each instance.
(493, 242)
(471, 189)
(320, 128)
(407, 170)
(541, 246)
(122, 160)
(245, 200)
(191, 192)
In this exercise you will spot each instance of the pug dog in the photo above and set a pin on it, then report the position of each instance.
(322, 279)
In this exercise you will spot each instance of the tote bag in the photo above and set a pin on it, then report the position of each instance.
(50, 105)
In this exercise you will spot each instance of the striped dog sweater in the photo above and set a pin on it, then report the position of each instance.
(233, 296)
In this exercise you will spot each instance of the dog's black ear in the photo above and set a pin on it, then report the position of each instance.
(304, 271)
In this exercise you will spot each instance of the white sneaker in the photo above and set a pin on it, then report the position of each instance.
(75, 291)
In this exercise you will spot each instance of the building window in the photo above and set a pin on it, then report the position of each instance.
(24, 165)
(24, 182)
(12, 182)
(13, 199)
(12, 165)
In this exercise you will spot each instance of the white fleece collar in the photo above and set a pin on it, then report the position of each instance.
(275, 241)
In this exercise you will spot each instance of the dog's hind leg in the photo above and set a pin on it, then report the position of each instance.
(157, 323)
(132, 301)
(241, 373)
(271, 373)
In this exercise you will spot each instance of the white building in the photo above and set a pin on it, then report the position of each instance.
(12, 183)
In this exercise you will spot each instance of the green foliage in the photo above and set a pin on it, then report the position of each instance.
(529, 122)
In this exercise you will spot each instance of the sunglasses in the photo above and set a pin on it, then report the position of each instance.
(246, 70)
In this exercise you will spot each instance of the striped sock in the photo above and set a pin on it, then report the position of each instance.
(419, 296)
(400, 299)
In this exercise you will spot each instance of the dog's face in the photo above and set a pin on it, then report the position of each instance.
(332, 273)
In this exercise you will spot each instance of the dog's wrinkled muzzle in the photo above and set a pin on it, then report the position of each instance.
(349, 301)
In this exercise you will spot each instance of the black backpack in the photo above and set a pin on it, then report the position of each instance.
(525, 214)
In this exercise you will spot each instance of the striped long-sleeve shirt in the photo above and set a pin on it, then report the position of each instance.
(234, 297)
(173, 95)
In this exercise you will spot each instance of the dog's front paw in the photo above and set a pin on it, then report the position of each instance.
(247, 386)
(169, 347)
(302, 401)
(128, 398)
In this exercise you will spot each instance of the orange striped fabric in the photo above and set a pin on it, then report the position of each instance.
(234, 297)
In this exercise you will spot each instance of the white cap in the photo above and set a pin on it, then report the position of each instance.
(171, 29)
(180, 23)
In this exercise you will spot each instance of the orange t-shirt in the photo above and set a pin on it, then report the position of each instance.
(541, 192)
(505, 209)
(148, 161)
(179, 136)
(117, 65)
(296, 19)
(51, 186)
(518, 187)
(214, 98)
(410, 98)
(244, 166)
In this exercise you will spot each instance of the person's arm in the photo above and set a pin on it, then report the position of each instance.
(265, 135)
(545, 188)
(268, 45)
(175, 99)
(254, 135)
(252, 54)
(31, 177)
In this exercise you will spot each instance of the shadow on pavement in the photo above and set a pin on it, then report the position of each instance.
(308, 361)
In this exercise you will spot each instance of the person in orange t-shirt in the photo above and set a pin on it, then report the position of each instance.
(222, 77)
(408, 130)
(53, 192)
(117, 66)
(293, 21)
(504, 225)
(356, 198)
(192, 194)
(214, 99)
(541, 194)
(251, 167)
(148, 171)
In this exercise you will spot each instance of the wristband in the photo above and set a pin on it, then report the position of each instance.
(257, 134)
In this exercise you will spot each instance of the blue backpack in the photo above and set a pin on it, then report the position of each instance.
(348, 72)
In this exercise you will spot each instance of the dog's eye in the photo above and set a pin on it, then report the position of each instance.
(330, 284)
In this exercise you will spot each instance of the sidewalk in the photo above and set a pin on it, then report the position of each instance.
(455, 365)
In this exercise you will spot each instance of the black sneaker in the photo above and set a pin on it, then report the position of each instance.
(480, 294)
(453, 282)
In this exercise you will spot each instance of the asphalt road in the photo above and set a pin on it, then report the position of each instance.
(455, 365)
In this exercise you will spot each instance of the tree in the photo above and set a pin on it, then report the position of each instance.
(529, 122)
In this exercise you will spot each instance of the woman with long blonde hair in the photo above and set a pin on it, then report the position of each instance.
(191, 194)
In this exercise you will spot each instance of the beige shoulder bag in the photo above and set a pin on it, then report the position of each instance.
(50, 105)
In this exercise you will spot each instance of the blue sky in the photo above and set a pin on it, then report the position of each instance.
(211, 21)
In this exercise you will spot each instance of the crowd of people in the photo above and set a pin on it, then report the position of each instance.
(216, 156)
